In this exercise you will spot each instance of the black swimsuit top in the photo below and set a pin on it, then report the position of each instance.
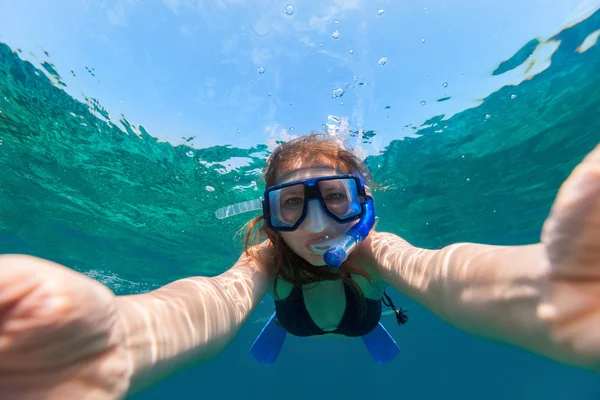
(293, 316)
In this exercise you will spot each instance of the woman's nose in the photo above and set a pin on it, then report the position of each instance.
(316, 219)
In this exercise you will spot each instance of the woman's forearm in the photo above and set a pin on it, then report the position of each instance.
(489, 291)
(189, 320)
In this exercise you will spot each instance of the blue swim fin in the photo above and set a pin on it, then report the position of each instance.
(269, 342)
(381, 345)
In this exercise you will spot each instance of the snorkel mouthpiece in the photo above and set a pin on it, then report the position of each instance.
(340, 248)
(335, 256)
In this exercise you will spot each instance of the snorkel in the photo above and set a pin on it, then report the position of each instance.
(336, 251)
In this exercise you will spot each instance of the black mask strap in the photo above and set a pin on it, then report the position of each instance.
(401, 316)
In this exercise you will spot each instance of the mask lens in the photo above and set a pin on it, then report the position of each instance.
(341, 197)
(287, 205)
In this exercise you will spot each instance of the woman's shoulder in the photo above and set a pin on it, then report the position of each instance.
(262, 256)
(372, 287)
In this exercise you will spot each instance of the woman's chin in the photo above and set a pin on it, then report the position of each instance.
(315, 259)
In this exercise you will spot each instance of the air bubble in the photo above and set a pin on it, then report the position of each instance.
(238, 130)
(445, 84)
(422, 40)
(423, 102)
(487, 116)
(335, 35)
(336, 22)
(289, 10)
(336, 93)
(351, 52)
(387, 115)
(513, 96)
(292, 128)
(210, 188)
(261, 70)
(190, 154)
(380, 11)
(270, 94)
(382, 60)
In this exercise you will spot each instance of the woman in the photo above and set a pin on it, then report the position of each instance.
(64, 335)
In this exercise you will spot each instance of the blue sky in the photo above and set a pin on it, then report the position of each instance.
(185, 68)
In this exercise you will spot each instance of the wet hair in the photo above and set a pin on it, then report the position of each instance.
(314, 149)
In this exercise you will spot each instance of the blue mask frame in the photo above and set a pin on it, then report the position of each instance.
(311, 191)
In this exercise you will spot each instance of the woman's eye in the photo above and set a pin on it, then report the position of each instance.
(294, 201)
(335, 196)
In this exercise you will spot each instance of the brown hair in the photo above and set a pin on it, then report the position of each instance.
(316, 148)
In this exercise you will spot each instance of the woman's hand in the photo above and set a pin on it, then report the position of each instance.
(571, 237)
(60, 334)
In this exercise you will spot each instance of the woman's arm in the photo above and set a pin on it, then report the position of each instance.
(190, 320)
(489, 291)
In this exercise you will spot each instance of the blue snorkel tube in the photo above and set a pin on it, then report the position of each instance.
(340, 248)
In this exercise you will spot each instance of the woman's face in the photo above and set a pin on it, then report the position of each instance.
(317, 223)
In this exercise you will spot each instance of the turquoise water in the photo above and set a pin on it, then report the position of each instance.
(113, 202)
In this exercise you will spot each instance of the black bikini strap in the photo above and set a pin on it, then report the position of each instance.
(401, 316)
